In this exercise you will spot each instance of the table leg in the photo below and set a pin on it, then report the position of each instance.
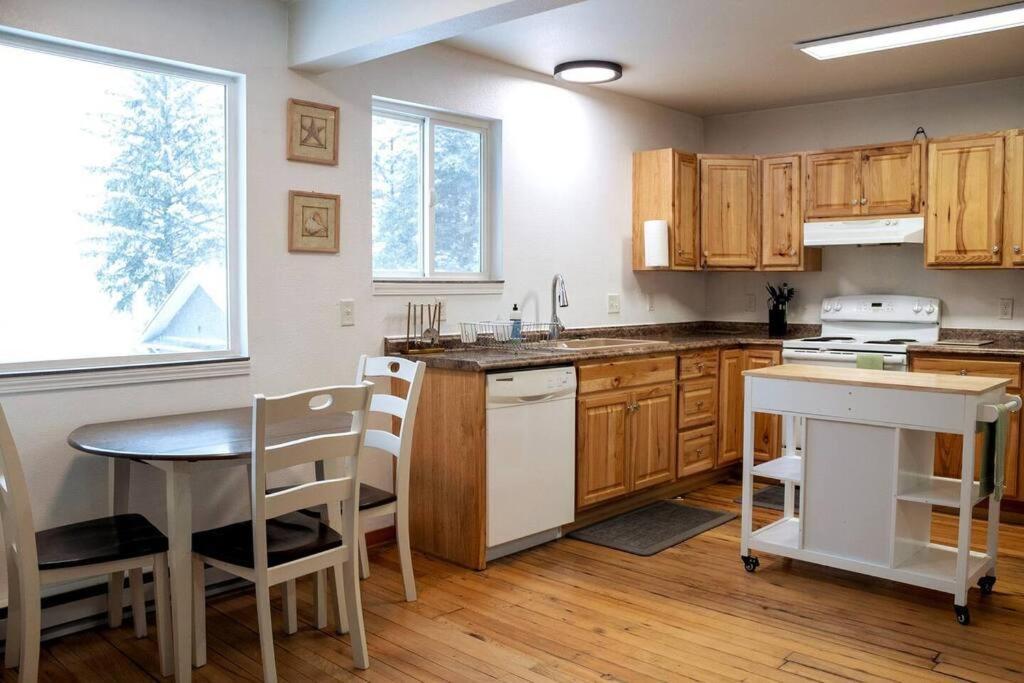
(118, 481)
(179, 532)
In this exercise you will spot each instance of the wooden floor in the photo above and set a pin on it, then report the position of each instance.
(570, 611)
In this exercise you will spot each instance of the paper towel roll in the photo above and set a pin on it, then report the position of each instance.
(656, 244)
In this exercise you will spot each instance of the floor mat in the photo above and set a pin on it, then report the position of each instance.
(651, 529)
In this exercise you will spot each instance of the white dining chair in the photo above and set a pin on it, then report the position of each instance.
(279, 543)
(69, 553)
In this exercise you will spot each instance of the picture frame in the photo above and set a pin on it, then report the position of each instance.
(313, 132)
(314, 222)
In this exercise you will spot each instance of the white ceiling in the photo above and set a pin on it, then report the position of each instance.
(719, 56)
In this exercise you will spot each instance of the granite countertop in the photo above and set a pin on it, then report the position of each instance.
(1005, 343)
(672, 338)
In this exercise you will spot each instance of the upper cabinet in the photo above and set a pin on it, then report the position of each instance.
(864, 181)
(964, 217)
(729, 211)
(1013, 197)
(665, 188)
(782, 225)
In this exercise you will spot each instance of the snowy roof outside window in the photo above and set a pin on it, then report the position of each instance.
(194, 315)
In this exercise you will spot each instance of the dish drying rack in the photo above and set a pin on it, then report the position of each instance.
(500, 334)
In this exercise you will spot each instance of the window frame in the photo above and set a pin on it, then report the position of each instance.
(429, 119)
(235, 221)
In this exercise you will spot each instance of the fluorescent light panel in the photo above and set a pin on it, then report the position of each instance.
(956, 26)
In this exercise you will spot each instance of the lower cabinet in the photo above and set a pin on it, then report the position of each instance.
(697, 450)
(767, 428)
(948, 447)
(625, 441)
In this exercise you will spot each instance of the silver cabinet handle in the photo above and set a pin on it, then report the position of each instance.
(963, 372)
(863, 201)
(995, 248)
(854, 202)
(700, 451)
(700, 404)
(1016, 249)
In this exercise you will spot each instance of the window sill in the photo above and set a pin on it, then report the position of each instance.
(429, 287)
(85, 378)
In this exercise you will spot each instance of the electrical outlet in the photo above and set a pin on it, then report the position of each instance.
(1006, 309)
(614, 303)
(348, 312)
(749, 303)
(650, 301)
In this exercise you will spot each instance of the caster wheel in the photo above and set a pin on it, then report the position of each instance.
(986, 583)
(963, 615)
(750, 563)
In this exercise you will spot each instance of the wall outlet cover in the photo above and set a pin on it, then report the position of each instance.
(348, 312)
(1006, 309)
(749, 303)
(614, 303)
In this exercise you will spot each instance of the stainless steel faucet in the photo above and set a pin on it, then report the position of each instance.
(559, 299)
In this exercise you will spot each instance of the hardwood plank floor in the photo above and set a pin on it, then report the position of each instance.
(569, 611)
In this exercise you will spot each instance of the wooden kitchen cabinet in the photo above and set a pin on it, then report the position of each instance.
(697, 450)
(782, 223)
(1013, 197)
(625, 428)
(729, 211)
(865, 181)
(767, 428)
(964, 216)
(665, 188)
(698, 402)
(948, 447)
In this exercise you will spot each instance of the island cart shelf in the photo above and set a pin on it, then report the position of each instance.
(865, 473)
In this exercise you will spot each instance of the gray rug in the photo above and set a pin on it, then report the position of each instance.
(651, 529)
(772, 497)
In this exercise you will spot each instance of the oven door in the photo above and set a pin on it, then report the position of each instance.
(896, 362)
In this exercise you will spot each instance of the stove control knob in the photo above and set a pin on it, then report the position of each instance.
(929, 309)
(917, 307)
(838, 306)
(828, 307)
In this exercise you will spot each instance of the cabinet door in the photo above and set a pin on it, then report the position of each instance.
(832, 185)
(891, 179)
(652, 431)
(730, 407)
(684, 229)
(782, 225)
(963, 223)
(602, 458)
(1013, 194)
(767, 428)
(696, 450)
(698, 402)
(729, 209)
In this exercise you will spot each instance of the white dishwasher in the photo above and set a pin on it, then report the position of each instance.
(531, 457)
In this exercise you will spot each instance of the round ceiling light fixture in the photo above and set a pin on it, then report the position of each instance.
(588, 71)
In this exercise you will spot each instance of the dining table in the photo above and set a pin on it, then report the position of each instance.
(183, 446)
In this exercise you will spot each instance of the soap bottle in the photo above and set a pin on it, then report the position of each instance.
(517, 322)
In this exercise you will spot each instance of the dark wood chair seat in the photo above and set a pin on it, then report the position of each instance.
(369, 497)
(289, 537)
(107, 539)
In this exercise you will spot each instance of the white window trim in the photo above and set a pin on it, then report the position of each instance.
(488, 280)
(82, 372)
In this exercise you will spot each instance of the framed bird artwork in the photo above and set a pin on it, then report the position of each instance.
(313, 222)
(312, 132)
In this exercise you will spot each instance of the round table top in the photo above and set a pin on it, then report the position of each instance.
(208, 435)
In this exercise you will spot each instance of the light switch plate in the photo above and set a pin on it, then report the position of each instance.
(1006, 309)
(614, 303)
(348, 312)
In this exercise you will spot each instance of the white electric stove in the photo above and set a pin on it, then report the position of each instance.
(872, 323)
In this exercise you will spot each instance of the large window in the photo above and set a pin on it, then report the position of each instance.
(118, 233)
(431, 186)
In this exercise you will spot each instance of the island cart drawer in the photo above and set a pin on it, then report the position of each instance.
(602, 376)
(1001, 369)
(697, 364)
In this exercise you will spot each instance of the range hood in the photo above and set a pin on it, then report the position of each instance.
(865, 231)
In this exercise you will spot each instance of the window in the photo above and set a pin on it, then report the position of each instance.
(118, 227)
(431, 204)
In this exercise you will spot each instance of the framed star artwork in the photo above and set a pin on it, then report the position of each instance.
(313, 222)
(312, 132)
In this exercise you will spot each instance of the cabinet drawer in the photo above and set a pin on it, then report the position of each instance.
(697, 364)
(698, 402)
(1001, 369)
(697, 450)
(626, 373)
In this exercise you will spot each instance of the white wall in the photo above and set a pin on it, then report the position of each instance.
(566, 197)
(970, 298)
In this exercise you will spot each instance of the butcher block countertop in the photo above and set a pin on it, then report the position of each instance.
(914, 381)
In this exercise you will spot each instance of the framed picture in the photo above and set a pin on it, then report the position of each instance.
(313, 222)
(312, 132)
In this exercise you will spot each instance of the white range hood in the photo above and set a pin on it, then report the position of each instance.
(865, 231)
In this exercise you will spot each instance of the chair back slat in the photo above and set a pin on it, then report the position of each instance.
(312, 449)
(388, 366)
(16, 511)
(385, 441)
(390, 404)
(310, 494)
(336, 455)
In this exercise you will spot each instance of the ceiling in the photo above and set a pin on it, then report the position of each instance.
(721, 56)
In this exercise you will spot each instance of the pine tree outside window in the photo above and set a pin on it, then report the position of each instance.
(119, 237)
(432, 179)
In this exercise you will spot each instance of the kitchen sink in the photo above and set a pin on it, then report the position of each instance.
(594, 343)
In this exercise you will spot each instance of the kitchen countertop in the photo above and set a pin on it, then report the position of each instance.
(675, 338)
(1005, 343)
